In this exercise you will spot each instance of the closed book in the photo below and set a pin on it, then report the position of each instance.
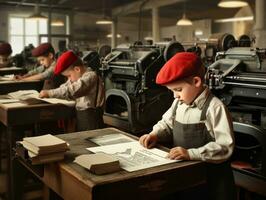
(42, 159)
(98, 163)
(44, 144)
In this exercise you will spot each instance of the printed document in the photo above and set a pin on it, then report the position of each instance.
(132, 156)
(110, 139)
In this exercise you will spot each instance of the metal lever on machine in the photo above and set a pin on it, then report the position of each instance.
(218, 70)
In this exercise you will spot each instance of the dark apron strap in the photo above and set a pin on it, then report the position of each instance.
(97, 91)
(205, 107)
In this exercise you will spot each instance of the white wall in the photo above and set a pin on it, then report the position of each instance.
(187, 33)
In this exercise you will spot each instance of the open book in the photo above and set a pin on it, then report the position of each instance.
(32, 97)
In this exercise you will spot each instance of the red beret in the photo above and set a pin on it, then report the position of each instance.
(5, 48)
(181, 65)
(64, 61)
(42, 49)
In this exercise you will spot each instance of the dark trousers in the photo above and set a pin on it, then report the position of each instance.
(220, 181)
(90, 119)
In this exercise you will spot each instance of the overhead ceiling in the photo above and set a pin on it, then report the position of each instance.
(195, 9)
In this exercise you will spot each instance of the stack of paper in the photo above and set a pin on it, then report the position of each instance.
(99, 163)
(45, 148)
(8, 77)
(31, 97)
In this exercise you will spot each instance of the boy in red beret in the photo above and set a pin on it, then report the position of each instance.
(5, 52)
(197, 124)
(84, 86)
(45, 55)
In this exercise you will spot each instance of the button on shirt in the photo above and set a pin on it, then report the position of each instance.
(218, 123)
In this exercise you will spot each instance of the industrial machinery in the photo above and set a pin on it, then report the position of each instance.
(134, 102)
(91, 59)
(238, 78)
(215, 43)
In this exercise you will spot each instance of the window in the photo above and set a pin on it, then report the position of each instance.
(24, 31)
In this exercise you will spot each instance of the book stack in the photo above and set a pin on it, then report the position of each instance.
(45, 148)
(98, 163)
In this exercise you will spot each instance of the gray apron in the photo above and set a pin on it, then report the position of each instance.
(91, 118)
(220, 181)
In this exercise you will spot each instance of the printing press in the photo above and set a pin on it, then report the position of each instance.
(134, 102)
(238, 78)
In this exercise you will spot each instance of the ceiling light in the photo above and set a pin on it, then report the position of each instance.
(184, 21)
(110, 36)
(57, 22)
(232, 3)
(198, 32)
(37, 14)
(235, 19)
(104, 21)
(148, 38)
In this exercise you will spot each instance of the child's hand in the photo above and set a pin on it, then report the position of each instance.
(148, 140)
(43, 94)
(178, 153)
(18, 77)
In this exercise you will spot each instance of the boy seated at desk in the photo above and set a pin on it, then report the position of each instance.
(5, 52)
(197, 124)
(84, 86)
(45, 55)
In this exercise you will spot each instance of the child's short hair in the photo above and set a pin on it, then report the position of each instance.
(77, 63)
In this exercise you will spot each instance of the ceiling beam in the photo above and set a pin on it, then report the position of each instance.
(27, 4)
(144, 5)
(62, 1)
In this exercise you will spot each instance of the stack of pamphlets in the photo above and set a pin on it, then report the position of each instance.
(45, 148)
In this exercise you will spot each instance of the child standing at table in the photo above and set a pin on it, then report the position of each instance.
(198, 124)
(84, 86)
(45, 55)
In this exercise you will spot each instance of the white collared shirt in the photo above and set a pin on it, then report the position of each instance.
(218, 123)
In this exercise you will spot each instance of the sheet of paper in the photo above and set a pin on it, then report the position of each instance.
(28, 94)
(13, 105)
(3, 101)
(23, 94)
(9, 77)
(9, 68)
(110, 139)
(132, 156)
(59, 101)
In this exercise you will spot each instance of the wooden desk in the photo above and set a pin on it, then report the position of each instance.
(12, 70)
(12, 86)
(15, 114)
(71, 181)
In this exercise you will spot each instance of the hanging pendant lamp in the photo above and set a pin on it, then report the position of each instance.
(232, 3)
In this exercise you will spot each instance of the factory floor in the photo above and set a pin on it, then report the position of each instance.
(33, 194)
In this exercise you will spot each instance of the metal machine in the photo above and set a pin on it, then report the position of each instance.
(238, 78)
(134, 102)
